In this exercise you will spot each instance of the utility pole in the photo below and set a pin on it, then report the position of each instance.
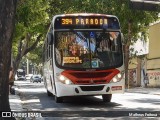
(27, 66)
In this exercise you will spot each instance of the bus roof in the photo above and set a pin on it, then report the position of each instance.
(83, 14)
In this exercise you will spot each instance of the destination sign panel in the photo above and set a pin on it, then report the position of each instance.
(85, 22)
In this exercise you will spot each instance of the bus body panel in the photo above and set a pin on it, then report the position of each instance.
(69, 90)
(48, 77)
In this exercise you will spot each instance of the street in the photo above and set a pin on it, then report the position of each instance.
(34, 98)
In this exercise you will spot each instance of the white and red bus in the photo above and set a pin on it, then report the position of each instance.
(82, 55)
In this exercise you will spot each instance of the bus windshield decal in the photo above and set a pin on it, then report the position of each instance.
(71, 60)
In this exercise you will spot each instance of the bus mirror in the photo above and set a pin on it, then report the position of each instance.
(50, 38)
(122, 38)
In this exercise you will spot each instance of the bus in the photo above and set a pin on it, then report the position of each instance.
(83, 56)
(20, 74)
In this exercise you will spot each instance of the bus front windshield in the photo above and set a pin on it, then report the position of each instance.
(88, 49)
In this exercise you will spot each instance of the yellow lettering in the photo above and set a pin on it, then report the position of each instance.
(77, 21)
(101, 21)
(96, 21)
(71, 60)
(87, 21)
(91, 21)
(63, 21)
(105, 21)
(70, 21)
(67, 21)
(82, 21)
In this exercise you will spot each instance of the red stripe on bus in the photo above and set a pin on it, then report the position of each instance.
(90, 77)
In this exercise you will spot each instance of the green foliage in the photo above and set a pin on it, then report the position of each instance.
(33, 18)
(36, 55)
(31, 21)
(120, 8)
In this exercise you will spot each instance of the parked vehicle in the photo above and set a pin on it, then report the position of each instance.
(35, 78)
(21, 78)
(28, 77)
(20, 74)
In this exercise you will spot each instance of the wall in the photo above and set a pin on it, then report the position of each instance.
(154, 41)
(153, 58)
(154, 78)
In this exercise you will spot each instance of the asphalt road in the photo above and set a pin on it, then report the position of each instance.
(122, 106)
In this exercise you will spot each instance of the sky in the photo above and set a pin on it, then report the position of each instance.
(141, 47)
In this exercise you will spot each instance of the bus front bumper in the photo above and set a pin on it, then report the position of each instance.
(80, 90)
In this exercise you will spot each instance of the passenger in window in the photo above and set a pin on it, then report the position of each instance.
(113, 39)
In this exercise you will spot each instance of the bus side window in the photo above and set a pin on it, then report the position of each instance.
(50, 35)
(50, 38)
(45, 51)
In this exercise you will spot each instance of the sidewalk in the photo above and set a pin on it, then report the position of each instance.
(153, 91)
(15, 101)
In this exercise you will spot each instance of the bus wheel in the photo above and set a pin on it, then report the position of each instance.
(58, 99)
(49, 93)
(107, 97)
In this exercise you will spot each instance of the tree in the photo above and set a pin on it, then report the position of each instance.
(7, 15)
(31, 22)
(132, 21)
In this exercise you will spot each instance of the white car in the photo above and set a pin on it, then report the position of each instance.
(28, 77)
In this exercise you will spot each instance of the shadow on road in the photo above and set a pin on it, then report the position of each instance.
(34, 97)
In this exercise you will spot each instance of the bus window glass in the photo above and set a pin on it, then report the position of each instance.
(88, 49)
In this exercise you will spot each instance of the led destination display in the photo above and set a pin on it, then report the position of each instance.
(86, 22)
(83, 21)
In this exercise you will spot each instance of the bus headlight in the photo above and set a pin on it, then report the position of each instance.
(115, 79)
(118, 77)
(68, 82)
(64, 80)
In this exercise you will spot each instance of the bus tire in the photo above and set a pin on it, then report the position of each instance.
(58, 99)
(49, 93)
(107, 97)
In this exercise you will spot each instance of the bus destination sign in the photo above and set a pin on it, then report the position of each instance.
(84, 21)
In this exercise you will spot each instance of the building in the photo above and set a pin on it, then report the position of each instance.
(153, 58)
(137, 66)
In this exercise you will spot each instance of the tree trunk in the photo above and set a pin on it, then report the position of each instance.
(126, 65)
(24, 49)
(139, 72)
(7, 15)
(127, 54)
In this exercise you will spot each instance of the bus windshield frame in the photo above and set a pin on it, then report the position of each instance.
(97, 55)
